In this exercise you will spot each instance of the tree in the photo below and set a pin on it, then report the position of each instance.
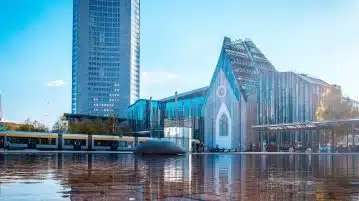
(12, 126)
(89, 127)
(30, 126)
(333, 106)
(107, 127)
(60, 125)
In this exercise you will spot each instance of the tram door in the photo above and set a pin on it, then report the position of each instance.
(2, 141)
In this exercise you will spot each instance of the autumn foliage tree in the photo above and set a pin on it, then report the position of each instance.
(334, 106)
(31, 126)
(60, 125)
(87, 126)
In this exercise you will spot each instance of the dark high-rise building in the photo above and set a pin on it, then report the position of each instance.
(105, 56)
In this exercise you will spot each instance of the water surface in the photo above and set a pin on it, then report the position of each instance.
(81, 176)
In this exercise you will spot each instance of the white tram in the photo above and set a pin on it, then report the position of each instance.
(54, 141)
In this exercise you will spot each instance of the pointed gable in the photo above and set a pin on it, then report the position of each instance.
(242, 62)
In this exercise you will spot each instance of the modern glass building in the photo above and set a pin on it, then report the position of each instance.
(245, 90)
(287, 97)
(170, 117)
(105, 56)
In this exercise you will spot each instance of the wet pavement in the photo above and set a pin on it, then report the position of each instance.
(110, 176)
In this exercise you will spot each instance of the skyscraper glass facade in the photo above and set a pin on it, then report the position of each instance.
(105, 73)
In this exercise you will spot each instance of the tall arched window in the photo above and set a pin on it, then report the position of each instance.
(223, 126)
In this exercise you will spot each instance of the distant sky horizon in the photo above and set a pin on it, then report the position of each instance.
(180, 46)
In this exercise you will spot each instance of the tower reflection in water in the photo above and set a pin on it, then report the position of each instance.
(67, 176)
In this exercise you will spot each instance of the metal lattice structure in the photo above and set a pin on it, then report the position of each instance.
(247, 62)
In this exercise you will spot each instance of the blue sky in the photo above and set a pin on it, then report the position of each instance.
(180, 44)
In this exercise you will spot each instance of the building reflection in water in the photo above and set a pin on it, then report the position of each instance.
(82, 177)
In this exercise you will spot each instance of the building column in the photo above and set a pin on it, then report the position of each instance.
(317, 141)
(277, 139)
(5, 140)
(89, 142)
(59, 141)
(353, 139)
(135, 141)
(333, 141)
(348, 141)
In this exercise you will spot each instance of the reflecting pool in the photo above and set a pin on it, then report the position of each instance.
(81, 176)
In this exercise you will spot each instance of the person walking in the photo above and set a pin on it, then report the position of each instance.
(7, 145)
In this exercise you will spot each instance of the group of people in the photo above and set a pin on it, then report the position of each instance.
(295, 147)
(31, 144)
(307, 150)
(198, 148)
(77, 145)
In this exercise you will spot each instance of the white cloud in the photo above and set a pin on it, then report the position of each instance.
(158, 77)
(56, 83)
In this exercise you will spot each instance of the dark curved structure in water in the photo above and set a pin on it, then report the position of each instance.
(159, 147)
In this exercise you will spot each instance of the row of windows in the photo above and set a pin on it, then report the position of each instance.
(98, 94)
(104, 9)
(109, 19)
(99, 89)
(104, 100)
(104, 64)
(72, 142)
(109, 74)
(104, 39)
(97, 30)
(106, 79)
(104, 49)
(102, 105)
(96, 25)
(103, 59)
(104, 15)
(100, 84)
(26, 140)
(104, 69)
(100, 110)
(105, 3)
(105, 43)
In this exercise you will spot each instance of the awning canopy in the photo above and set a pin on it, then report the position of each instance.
(341, 123)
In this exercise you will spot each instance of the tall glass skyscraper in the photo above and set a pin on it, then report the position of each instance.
(105, 56)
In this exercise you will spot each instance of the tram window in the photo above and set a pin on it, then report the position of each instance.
(25, 140)
(104, 142)
(123, 144)
(83, 142)
(18, 140)
(72, 141)
(43, 141)
(67, 142)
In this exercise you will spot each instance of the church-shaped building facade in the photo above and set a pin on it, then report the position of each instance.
(230, 104)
